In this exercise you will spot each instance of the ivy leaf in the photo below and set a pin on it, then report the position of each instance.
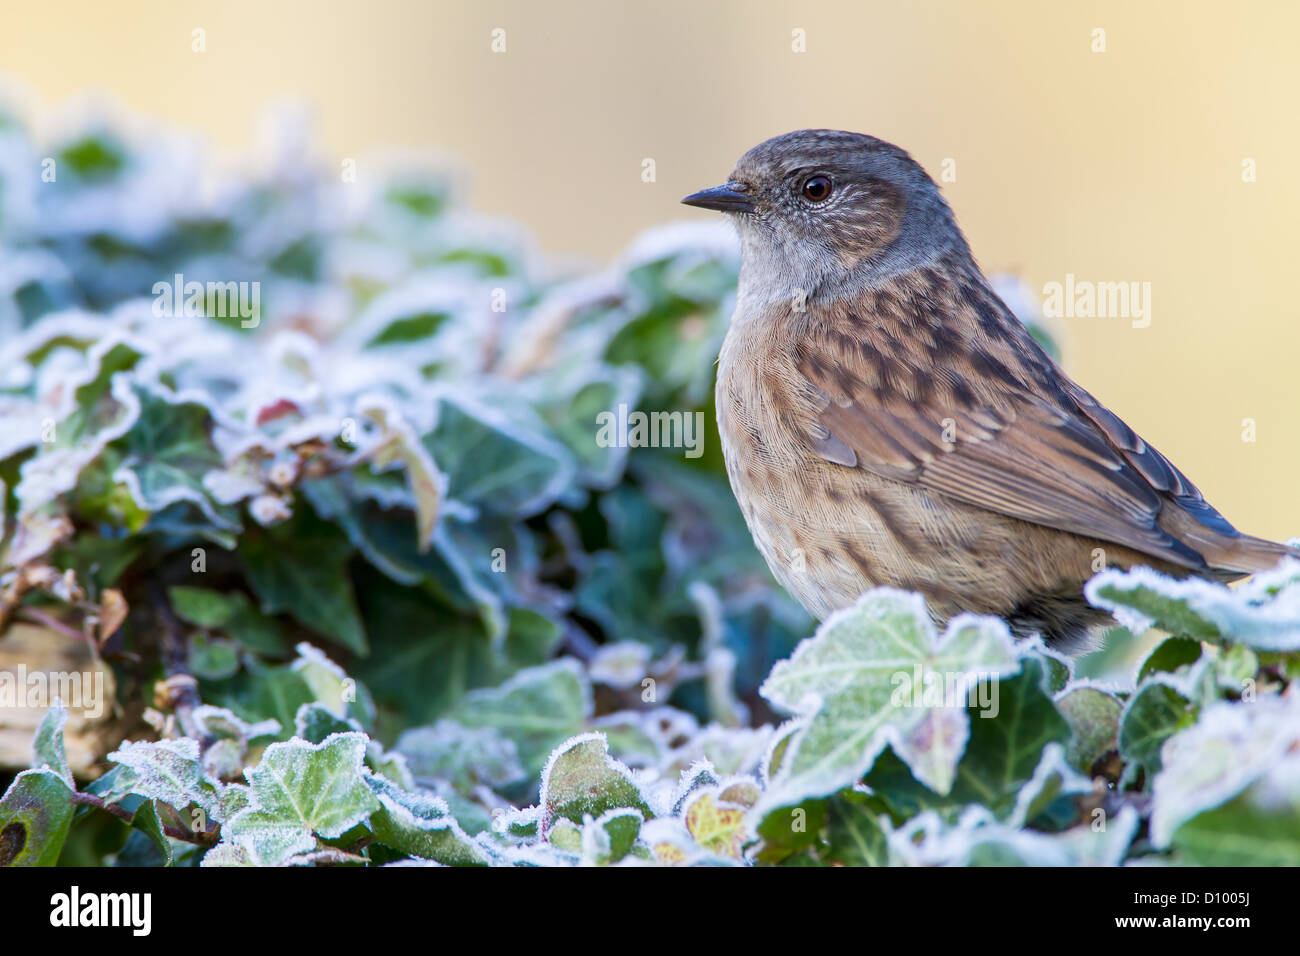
(1008, 736)
(854, 832)
(1229, 790)
(300, 567)
(165, 770)
(1262, 612)
(1169, 655)
(463, 756)
(144, 817)
(421, 825)
(399, 445)
(979, 839)
(1156, 711)
(231, 613)
(582, 779)
(1093, 715)
(300, 789)
(512, 470)
(166, 454)
(716, 824)
(538, 709)
(35, 814)
(47, 745)
(1053, 778)
(873, 674)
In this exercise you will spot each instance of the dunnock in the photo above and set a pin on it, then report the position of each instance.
(886, 419)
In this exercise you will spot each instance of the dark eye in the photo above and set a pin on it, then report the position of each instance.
(817, 188)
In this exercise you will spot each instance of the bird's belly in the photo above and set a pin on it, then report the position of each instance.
(810, 521)
(830, 532)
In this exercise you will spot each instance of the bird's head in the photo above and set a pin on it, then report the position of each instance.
(817, 202)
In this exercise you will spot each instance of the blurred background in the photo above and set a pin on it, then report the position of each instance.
(1122, 164)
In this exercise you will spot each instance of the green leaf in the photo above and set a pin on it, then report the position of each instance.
(612, 835)
(166, 454)
(1169, 655)
(421, 825)
(854, 834)
(165, 770)
(463, 756)
(582, 779)
(144, 817)
(1229, 790)
(539, 708)
(1053, 779)
(1155, 712)
(879, 672)
(300, 567)
(35, 814)
(1260, 612)
(300, 789)
(1093, 715)
(511, 470)
(231, 613)
(1004, 751)
(47, 745)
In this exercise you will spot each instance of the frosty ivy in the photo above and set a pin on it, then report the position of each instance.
(332, 526)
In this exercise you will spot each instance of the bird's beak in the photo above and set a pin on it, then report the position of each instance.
(728, 198)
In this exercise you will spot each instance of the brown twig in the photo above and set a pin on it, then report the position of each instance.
(37, 616)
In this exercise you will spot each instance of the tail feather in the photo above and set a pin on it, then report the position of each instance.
(1225, 554)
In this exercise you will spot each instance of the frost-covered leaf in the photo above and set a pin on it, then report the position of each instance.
(872, 675)
(1169, 655)
(1229, 790)
(538, 709)
(422, 825)
(400, 445)
(620, 665)
(314, 722)
(463, 756)
(1262, 612)
(715, 823)
(611, 836)
(330, 684)
(300, 789)
(978, 839)
(35, 813)
(1053, 778)
(165, 770)
(47, 746)
(511, 470)
(1093, 715)
(144, 817)
(1155, 712)
(581, 779)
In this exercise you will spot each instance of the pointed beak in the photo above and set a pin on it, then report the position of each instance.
(728, 198)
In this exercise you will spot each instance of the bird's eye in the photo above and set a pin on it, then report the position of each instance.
(817, 188)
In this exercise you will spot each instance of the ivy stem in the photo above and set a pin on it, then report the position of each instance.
(207, 838)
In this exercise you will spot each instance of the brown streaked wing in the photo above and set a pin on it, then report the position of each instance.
(1019, 456)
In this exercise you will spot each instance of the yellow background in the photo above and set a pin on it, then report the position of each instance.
(1115, 166)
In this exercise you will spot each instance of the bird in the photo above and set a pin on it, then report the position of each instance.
(887, 421)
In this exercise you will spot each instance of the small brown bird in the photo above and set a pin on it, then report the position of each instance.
(887, 420)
